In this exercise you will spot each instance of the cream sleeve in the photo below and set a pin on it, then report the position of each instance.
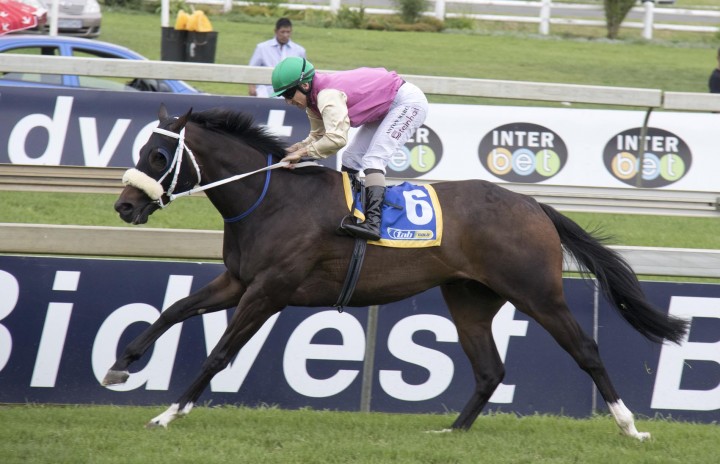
(328, 133)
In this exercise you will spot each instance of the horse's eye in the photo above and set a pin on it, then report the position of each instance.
(159, 159)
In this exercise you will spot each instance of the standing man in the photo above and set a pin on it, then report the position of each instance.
(714, 81)
(272, 52)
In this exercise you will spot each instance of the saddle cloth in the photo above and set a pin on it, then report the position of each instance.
(412, 216)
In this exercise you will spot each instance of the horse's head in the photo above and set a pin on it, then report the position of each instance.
(158, 172)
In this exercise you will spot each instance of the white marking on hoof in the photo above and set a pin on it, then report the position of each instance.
(115, 377)
(439, 431)
(172, 413)
(626, 422)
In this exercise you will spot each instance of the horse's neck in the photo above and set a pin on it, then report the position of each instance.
(222, 159)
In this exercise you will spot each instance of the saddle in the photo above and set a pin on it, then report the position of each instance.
(412, 218)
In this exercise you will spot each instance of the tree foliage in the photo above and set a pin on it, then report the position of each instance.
(615, 12)
(411, 10)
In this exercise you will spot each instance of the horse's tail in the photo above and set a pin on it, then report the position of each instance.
(617, 280)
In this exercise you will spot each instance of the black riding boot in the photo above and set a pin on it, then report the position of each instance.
(370, 228)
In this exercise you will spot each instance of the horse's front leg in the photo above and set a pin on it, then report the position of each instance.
(252, 312)
(222, 293)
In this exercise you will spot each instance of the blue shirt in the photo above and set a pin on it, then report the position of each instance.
(270, 53)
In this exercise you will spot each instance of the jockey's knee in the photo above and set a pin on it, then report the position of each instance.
(352, 161)
(374, 177)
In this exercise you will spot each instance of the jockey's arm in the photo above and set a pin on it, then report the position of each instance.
(328, 133)
(317, 130)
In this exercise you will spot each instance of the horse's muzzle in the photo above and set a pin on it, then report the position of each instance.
(133, 214)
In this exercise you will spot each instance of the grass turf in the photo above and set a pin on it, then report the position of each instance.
(109, 434)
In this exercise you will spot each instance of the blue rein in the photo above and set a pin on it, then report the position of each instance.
(259, 200)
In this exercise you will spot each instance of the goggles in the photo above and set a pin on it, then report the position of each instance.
(289, 93)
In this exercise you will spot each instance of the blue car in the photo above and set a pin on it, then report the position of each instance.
(84, 48)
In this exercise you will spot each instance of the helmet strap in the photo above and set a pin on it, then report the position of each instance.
(302, 71)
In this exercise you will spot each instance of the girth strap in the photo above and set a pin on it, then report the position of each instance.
(353, 274)
(358, 255)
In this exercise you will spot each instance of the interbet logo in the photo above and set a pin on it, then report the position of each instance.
(522, 152)
(418, 156)
(666, 158)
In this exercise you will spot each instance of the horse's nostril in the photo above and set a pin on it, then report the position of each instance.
(123, 207)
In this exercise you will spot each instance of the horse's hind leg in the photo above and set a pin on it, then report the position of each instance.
(222, 293)
(473, 306)
(556, 318)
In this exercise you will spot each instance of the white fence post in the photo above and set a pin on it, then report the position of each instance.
(440, 9)
(54, 11)
(164, 13)
(334, 6)
(545, 17)
(648, 19)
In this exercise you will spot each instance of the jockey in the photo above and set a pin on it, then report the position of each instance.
(385, 109)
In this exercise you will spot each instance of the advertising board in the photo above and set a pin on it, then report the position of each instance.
(555, 146)
(63, 322)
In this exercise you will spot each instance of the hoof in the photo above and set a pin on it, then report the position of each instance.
(155, 424)
(115, 377)
(626, 422)
(172, 413)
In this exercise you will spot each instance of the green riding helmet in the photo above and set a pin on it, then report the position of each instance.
(290, 73)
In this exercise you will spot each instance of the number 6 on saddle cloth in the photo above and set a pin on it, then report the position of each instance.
(412, 216)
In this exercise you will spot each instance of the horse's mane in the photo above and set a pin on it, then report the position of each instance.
(242, 126)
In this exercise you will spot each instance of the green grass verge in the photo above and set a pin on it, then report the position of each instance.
(108, 434)
(97, 210)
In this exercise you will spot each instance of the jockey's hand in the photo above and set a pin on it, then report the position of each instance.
(294, 157)
(294, 148)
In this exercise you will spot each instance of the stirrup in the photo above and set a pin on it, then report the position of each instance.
(347, 219)
(363, 233)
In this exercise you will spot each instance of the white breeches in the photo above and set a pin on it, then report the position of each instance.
(374, 143)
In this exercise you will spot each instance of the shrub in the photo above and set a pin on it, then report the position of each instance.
(615, 12)
(425, 24)
(351, 19)
(411, 10)
(461, 22)
(317, 18)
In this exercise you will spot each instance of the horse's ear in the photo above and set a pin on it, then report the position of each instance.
(162, 112)
(180, 122)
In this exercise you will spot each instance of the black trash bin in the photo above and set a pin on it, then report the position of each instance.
(201, 47)
(173, 46)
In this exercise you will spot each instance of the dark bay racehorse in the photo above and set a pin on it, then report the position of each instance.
(280, 249)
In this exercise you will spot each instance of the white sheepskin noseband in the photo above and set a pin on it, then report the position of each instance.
(142, 181)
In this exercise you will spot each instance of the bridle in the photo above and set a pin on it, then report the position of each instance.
(154, 189)
(176, 163)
